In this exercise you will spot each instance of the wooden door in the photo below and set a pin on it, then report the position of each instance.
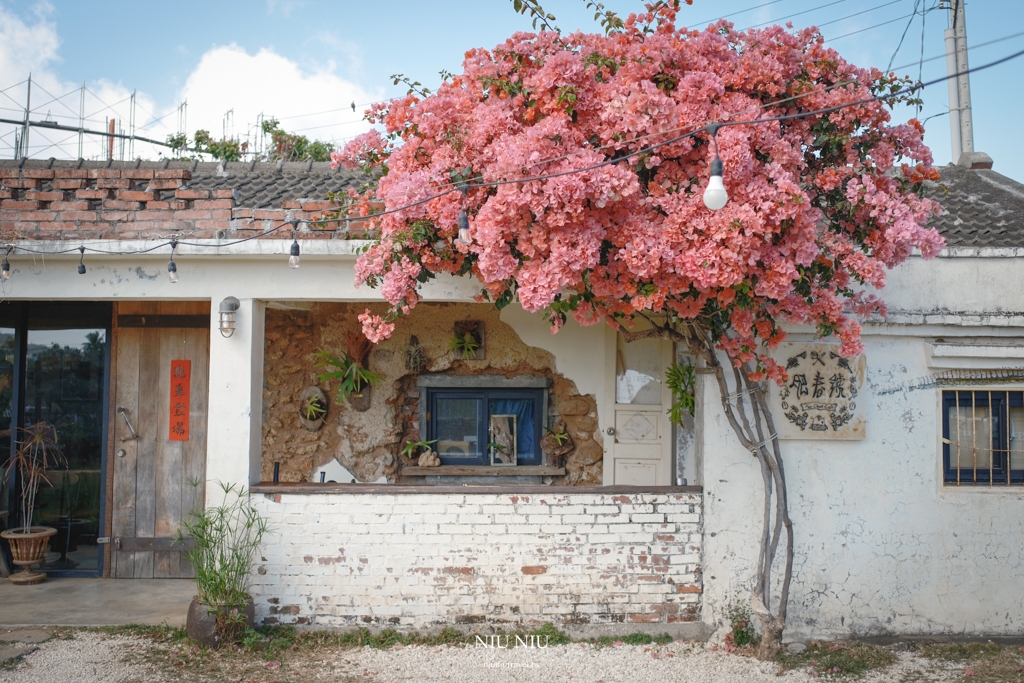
(641, 434)
(156, 480)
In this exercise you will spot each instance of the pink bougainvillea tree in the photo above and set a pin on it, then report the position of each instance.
(580, 161)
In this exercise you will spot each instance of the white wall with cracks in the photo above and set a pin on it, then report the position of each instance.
(882, 546)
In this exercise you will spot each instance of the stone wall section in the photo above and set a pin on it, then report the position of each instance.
(368, 443)
(423, 560)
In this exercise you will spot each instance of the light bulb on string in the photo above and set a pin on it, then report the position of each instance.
(5, 270)
(172, 267)
(464, 237)
(293, 259)
(81, 261)
(715, 195)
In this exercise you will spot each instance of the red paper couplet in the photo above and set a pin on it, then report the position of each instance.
(181, 376)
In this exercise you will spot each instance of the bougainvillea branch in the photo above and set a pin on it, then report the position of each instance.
(583, 159)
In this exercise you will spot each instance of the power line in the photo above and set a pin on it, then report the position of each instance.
(869, 28)
(711, 129)
(855, 14)
(742, 11)
(796, 14)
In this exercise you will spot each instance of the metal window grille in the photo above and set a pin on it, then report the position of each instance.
(983, 437)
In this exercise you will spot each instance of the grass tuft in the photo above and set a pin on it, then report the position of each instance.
(839, 658)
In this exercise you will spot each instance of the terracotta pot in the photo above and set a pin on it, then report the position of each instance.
(28, 549)
(201, 622)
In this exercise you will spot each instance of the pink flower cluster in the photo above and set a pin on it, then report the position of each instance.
(815, 213)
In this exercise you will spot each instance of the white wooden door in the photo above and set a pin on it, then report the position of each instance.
(641, 434)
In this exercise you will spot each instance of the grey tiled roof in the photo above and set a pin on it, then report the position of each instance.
(981, 208)
(265, 186)
(259, 185)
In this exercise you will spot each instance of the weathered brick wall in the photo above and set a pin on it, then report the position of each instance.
(420, 560)
(136, 203)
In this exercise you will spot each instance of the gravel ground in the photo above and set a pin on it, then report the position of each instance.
(88, 656)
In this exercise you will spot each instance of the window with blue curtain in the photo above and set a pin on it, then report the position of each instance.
(460, 421)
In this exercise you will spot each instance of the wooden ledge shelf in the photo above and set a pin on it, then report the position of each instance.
(482, 471)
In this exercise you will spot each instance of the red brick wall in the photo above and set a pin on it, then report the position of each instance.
(112, 203)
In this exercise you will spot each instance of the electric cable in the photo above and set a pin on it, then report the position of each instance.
(711, 128)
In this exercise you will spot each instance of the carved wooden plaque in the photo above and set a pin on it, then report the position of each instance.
(822, 398)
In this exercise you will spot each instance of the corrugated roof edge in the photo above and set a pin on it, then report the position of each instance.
(197, 168)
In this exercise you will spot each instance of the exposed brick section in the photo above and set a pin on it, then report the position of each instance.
(124, 202)
(191, 194)
(22, 183)
(114, 183)
(135, 195)
(121, 205)
(23, 205)
(422, 560)
(93, 194)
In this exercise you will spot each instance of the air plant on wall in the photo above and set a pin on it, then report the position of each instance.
(415, 356)
(350, 369)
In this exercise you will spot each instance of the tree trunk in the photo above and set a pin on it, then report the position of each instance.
(748, 413)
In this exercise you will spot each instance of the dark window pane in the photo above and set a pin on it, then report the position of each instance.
(458, 427)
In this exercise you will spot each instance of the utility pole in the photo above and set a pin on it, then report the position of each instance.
(961, 125)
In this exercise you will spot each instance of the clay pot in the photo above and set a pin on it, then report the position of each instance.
(28, 549)
(360, 401)
(201, 624)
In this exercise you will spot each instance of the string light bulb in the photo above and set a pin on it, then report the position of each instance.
(293, 260)
(81, 261)
(172, 267)
(5, 270)
(464, 237)
(715, 195)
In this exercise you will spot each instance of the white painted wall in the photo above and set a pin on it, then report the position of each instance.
(882, 546)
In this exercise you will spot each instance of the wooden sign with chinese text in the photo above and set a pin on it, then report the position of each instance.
(822, 397)
(181, 376)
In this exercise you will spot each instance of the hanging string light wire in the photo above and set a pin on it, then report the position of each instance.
(173, 243)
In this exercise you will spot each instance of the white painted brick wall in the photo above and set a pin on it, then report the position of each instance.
(420, 560)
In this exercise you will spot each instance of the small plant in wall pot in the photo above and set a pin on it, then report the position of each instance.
(350, 372)
(313, 406)
(468, 340)
(413, 449)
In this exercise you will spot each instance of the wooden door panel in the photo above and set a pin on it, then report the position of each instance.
(153, 488)
(127, 397)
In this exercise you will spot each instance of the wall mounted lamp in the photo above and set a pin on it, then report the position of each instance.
(228, 307)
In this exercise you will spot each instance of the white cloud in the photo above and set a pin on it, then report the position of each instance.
(228, 78)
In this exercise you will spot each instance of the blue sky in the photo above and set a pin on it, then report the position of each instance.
(306, 61)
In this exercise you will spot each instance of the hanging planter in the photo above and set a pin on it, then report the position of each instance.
(557, 443)
(313, 406)
(350, 371)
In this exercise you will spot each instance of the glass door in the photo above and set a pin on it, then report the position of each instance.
(54, 369)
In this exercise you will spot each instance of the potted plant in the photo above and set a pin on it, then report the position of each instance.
(221, 545)
(468, 341)
(352, 374)
(37, 453)
(557, 443)
(410, 450)
(312, 408)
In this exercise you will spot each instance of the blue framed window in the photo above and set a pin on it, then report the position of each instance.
(474, 426)
(983, 437)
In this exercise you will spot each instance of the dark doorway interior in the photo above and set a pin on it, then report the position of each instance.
(54, 367)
